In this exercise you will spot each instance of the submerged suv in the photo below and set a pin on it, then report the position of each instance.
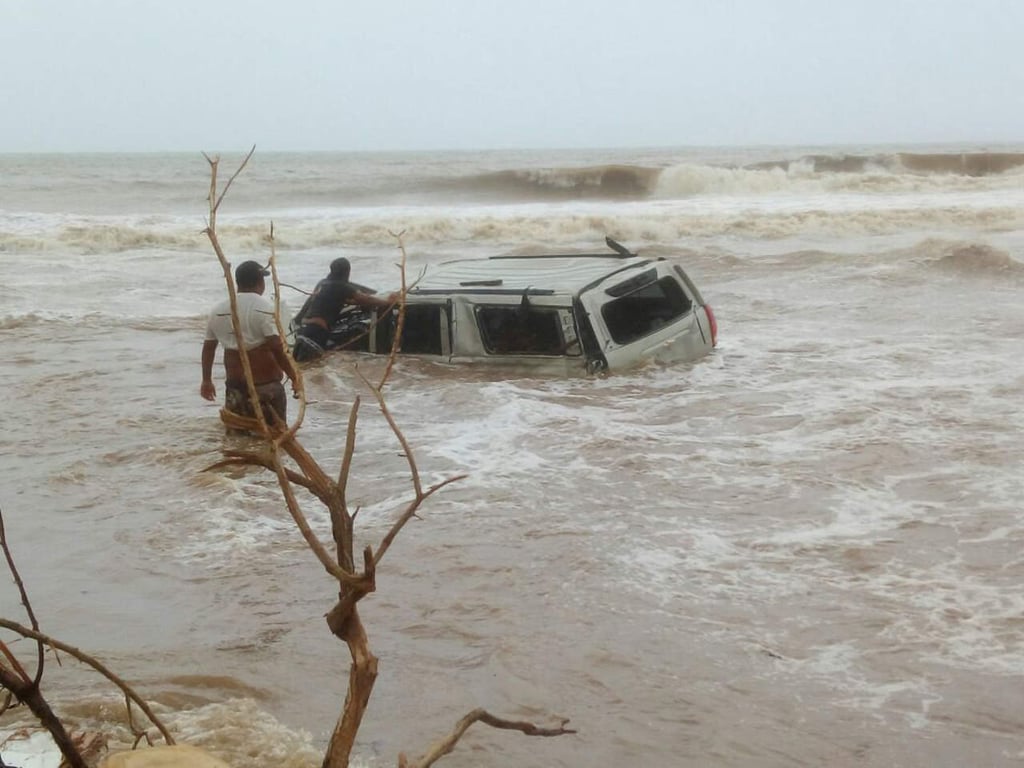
(569, 314)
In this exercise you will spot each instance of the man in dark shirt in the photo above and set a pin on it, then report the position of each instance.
(321, 311)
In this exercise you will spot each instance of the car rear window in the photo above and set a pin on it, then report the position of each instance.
(645, 309)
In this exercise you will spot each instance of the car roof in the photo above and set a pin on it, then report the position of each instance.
(515, 274)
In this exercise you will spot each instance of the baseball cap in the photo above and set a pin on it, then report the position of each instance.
(249, 272)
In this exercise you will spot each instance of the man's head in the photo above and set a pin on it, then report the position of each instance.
(249, 277)
(340, 269)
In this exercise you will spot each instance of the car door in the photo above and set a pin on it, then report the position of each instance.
(647, 314)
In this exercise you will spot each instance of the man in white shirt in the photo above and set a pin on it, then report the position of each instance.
(267, 356)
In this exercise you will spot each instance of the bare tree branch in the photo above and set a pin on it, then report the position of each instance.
(17, 681)
(300, 387)
(343, 619)
(7, 703)
(350, 447)
(262, 427)
(400, 326)
(138, 733)
(14, 663)
(28, 693)
(409, 513)
(445, 745)
(40, 657)
(296, 288)
(95, 664)
(215, 199)
(258, 460)
(211, 233)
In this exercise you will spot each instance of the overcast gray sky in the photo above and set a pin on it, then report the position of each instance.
(149, 75)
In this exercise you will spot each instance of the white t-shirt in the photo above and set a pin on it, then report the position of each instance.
(255, 316)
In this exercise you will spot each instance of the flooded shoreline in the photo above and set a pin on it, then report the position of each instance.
(801, 550)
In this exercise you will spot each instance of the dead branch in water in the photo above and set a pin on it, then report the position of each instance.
(26, 688)
(445, 745)
(131, 697)
(40, 656)
(354, 579)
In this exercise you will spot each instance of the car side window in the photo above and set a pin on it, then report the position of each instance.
(424, 324)
(521, 330)
(644, 310)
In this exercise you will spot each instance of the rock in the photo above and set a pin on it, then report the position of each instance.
(178, 756)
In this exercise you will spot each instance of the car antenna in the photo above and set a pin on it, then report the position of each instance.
(619, 248)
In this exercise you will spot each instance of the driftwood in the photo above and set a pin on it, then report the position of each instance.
(356, 578)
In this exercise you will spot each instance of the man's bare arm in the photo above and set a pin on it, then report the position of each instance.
(207, 389)
(366, 300)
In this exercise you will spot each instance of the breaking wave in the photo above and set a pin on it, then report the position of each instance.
(608, 182)
(492, 225)
(638, 182)
(939, 163)
(976, 259)
(328, 184)
(642, 201)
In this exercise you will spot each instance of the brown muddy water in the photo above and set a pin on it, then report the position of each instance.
(802, 550)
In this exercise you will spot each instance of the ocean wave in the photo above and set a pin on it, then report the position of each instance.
(56, 323)
(937, 163)
(607, 182)
(106, 237)
(28, 320)
(828, 175)
(829, 171)
(975, 259)
(215, 714)
(553, 227)
(822, 173)
(291, 184)
(963, 164)
(962, 257)
(901, 170)
(94, 238)
(674, 226)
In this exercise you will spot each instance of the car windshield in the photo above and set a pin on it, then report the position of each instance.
(644, 310)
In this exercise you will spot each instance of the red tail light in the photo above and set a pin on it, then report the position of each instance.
(713, 323)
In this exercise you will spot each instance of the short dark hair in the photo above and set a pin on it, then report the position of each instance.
(249, 273)
(341, 269)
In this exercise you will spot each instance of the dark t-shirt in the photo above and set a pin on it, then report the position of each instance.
(328, 299)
